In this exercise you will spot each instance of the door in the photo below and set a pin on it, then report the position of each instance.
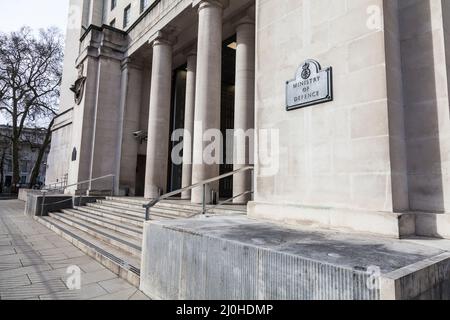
(140, 175)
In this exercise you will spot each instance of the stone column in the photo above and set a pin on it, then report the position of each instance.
(130, 120)
(189, 122)
(244, 107)
(208, 90)
(159, 118)
(122, 106)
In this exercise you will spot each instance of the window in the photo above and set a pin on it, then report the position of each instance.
(9, 165)
(23, 179)
(113, 23)
(144, 5)
(126, 16)
(113, 4)
(24, 166)
(8, 181)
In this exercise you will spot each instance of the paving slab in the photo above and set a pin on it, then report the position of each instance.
(115, 285)
(125, 294)
(34, 261)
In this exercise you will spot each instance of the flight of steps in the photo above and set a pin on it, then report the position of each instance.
(110, 230)
(166, 209)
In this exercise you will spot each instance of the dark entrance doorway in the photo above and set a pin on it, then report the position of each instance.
(140, 175)
(227, 112)
(175, 173)
(226, 121)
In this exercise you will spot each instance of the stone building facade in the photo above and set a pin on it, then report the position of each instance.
(374, 159)
(32, 140)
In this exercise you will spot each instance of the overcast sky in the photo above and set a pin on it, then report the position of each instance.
(33, 13)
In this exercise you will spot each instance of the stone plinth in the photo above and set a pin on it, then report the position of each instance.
(240, 258)
(52, 203)
(23, 193)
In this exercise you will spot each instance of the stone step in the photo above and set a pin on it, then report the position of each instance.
(117, 217)
(223, 209)
(109, 236)
(173, 212)
(124, 228)
(182, 207)
(123, 204)
(175, 203)
(119, 262)
(130, 200)
(157, 215)
(158, 211)
(117, 209)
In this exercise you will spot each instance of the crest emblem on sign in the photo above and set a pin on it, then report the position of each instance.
(312, 85)
(306, 73)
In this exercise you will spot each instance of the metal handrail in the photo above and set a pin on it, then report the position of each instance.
(203, 184)
(228, 200)
(44, 191)
(56, 184)
(84, 182)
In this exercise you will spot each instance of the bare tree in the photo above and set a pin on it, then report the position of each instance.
(43, 147)
(2, 168)
(30, 77)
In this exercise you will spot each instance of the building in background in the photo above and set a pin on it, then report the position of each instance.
(31, 142)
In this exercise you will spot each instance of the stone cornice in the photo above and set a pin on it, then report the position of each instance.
(102, 42)
(128, 63)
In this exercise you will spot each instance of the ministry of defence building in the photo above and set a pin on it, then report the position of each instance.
(336, 171)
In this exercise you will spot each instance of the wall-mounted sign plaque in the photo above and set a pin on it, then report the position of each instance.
(311, 86)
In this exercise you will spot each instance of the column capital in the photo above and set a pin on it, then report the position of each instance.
(190, 51)
(129, 62)
(246, 17)
(163, 37)
(202, 4)
(125, 63)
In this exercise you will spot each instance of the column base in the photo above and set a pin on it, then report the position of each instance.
(433, 225)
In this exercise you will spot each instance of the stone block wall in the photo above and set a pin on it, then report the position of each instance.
(424, 45)
(335, 155)
(382, 146)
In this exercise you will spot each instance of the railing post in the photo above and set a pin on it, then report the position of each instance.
(147, 213)
(204, 200)
(113, 185)
(43, 202)
(252, 185)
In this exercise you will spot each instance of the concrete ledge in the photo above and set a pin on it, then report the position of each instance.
(23, 193)
(424, 280)
(235, 258)
(386, 224)
(53, 203)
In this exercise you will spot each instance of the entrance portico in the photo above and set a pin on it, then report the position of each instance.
(133, 101)
(203, 101)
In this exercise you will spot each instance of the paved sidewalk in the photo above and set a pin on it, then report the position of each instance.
(34, 262)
